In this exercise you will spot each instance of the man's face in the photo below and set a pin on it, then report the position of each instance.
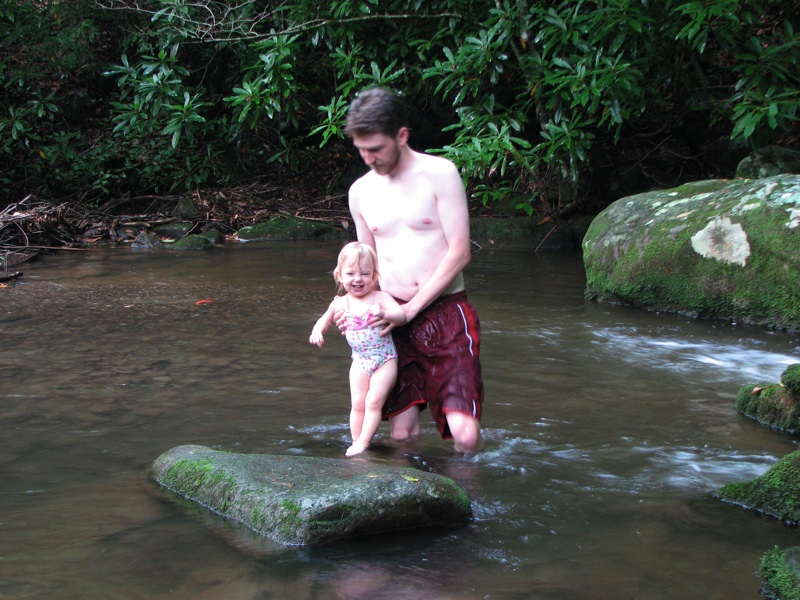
(381, 152)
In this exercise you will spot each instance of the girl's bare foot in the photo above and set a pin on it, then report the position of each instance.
(356, 448)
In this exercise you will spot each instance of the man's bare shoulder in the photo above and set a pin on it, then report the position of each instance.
(362, 183)
(434, 163)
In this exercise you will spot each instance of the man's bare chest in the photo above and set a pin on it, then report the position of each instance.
(392, 210)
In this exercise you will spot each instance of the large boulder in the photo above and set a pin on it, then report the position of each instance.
(298, 500)
(722, 249)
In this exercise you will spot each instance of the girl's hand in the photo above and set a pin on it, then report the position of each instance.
(316, 338)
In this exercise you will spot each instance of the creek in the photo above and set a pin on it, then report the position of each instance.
(606, 428)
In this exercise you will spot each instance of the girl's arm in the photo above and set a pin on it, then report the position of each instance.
(323, 324)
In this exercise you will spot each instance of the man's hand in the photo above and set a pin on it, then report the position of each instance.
(340, 321)
(387, 319)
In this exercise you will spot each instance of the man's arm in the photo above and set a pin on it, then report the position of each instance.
(363, 233)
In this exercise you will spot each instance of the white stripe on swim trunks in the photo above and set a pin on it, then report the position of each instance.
(466, 328)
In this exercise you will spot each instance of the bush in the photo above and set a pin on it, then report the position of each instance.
(528, 97)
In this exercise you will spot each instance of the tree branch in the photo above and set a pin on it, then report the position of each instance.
(226, 23)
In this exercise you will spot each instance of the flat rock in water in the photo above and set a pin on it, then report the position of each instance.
(299, 500)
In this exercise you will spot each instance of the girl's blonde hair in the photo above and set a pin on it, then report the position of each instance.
(355, 253)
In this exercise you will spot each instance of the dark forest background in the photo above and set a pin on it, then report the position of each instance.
(548, 108)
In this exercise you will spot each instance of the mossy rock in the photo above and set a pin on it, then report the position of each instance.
(719, 249)
(790, 379)
(775, 405)
(769, 161)
(775, 493)
(300, 500)
(192, 242)
(285, 227)
(780, 574)
(185, 210)
(175, 230)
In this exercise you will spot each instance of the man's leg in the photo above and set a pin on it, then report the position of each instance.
(466, 431)
(405, 425)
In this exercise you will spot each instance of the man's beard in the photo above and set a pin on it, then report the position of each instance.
(387, 166)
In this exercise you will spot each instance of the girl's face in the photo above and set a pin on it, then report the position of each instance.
(358, 279)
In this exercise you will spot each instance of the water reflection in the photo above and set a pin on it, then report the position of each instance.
(605, 429)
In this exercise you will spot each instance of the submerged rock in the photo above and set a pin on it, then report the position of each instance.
(304, 500)
(712, 249)
(776, 405)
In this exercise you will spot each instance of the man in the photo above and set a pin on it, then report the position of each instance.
(412, 209)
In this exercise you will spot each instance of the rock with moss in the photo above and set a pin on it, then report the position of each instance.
(780, 574)
(775, 493)
(769, 161)
(185, 210)
(214, 236)
(714, 249)
(298, 500)
(192, 241)
(174, 231)
(285, 227)
(776, 405)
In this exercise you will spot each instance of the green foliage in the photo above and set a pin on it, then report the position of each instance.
(158, 110)
(524, 95)
(43, 46)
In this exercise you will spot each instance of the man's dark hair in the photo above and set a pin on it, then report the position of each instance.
(375, 110)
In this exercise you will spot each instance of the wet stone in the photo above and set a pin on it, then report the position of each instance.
(300, 500)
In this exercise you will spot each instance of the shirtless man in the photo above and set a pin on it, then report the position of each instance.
(412, 209)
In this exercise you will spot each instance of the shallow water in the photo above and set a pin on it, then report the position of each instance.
(606, 429)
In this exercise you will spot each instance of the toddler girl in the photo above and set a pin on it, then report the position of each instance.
(374, 368)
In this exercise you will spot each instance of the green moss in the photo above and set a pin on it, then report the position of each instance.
(258, 518)
(187, 476)
(790, 379)
(775, 493)
(780, 574)
(290, 522)
(193, 242)
(639, 252)
(287, 228)
(770, 405)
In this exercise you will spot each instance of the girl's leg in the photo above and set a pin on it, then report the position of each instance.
(380, 384)
(359, 385)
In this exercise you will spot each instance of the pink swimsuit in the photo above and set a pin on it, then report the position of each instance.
(370, 348)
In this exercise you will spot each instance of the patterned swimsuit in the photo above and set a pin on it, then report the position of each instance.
(370, 348)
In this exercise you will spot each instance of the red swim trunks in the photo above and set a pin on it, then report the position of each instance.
(438, 362)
